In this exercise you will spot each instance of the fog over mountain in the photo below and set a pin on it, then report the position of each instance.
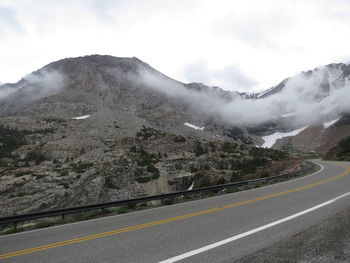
(34, 86)
(307, 98)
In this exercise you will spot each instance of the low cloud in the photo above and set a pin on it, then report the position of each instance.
(5, 91)
(44, 83)
(207, 101)
(34, 86)
(229, 78)
(306, 98)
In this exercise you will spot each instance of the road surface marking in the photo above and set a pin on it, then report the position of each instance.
(250, 232)
(167, 220)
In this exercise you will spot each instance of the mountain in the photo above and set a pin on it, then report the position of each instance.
(315, 100)
(100, 128)
(331, 77)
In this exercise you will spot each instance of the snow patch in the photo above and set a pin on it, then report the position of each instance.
(191, 187)
(81, 117)
(193, 126)
(270, 140)
(330, 123)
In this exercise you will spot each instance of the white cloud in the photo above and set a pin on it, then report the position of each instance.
(8, 21)
(230, 77)
(265, 41)
(306, 99)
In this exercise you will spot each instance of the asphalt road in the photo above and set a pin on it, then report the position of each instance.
(219, 229)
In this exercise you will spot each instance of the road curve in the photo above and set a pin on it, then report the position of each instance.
(219, 229)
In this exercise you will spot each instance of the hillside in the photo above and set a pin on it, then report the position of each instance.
(98, 128)
(101, 128)
(341, 152)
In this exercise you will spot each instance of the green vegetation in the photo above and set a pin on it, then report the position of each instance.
(10, 140)
(147, 158)
(146, 161)
(179, 138)
(274, 155)
(152, 169)
(291, 150)
(234, 133)
(122, 210)
(248, 163)
(199, 149)
(344, 153)
(147, 132)
(236, 177)
(205, 178)
(37, 156)
(143, 179)
(237, 134)
(229, 147)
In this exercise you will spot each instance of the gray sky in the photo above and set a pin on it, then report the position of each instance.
(245, 45)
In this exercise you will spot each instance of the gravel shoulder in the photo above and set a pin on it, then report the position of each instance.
(328, 241)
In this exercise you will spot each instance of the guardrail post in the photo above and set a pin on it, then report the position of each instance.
(63, 218)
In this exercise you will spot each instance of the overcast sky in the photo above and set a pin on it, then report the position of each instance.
(244, 45)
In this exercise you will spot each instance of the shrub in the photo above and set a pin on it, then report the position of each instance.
(122, 210)
(199, 149)
(147, 132)
(10, 140)
(234, 133)
(44, 223)
(179, 138)
(147, 158)
(268, 153)
(229, 147)
(152, 169)
(236, 177)
(37, 156)
(345, 145)
(143, 179)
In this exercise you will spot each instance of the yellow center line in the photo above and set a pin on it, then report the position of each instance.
(168, 220)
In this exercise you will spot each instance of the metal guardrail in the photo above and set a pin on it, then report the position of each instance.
(72, 210)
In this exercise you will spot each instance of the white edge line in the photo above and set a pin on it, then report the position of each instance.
(157, 208)
(250, 232)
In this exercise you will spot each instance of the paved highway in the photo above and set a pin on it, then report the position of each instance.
(219, 229)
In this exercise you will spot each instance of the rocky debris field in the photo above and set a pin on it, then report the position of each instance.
(52, 163)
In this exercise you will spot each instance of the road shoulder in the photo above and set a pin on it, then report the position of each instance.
(328, 241)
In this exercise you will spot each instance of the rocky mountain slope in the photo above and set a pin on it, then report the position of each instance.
(100, 128)
(314, 104)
